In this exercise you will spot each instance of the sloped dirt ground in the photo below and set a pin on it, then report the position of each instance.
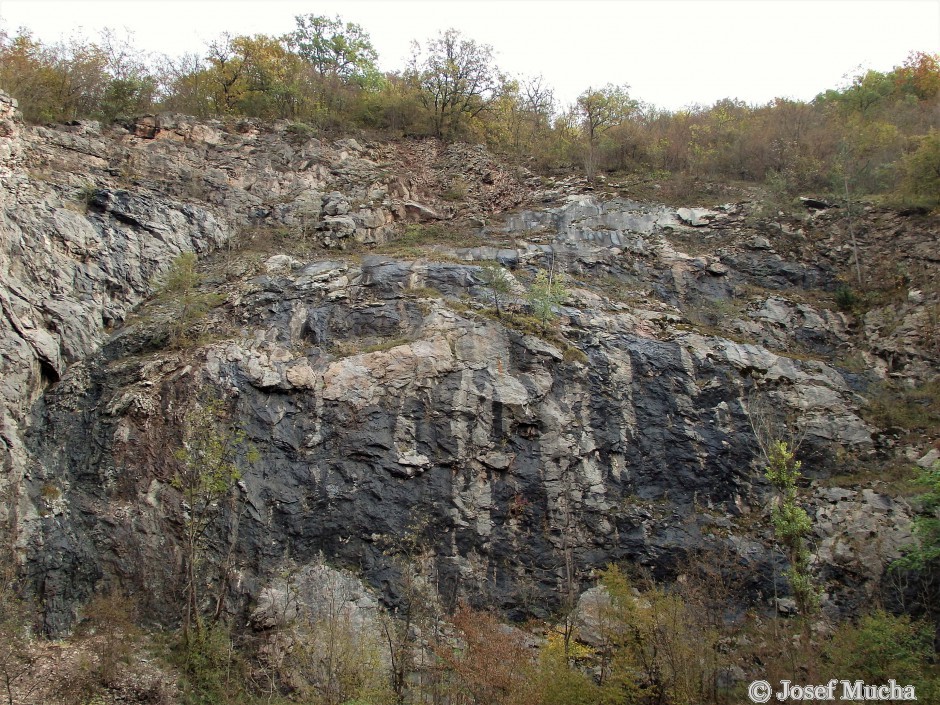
(112, 669)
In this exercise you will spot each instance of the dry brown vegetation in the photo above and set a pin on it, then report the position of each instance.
(875, 134)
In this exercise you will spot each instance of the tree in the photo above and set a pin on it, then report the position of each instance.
(334, 49)
(498, 281)
(181, 288)
(335, 651)
(240, 75)
(537, 99)
(919, 75)
(600, 110)
(207, 475)
(131, 89)
(922, 169)
(791, 524)
(546, 293)
(60, 82)
(187, 85)
(559, 682)
(127, 97)
(457, 78)
(521, 116)
(274, 85)
(490, 664)
(415, 618)
(655, 651)
(921, 563)
(866, 150)
(927, 521)
(865, 93)
(249, 75)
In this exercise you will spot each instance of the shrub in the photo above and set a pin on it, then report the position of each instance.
(457, 190)
(920, 567)
(846, 299)
(927, 523)
(921, 170)
(180, 289)
(86, 194)
(881, 646)
(424, 292)
(561, 684)
(209, 663)
(545, 295)
(490, 664)
(573, 354)
(656, 650)
(301, 131)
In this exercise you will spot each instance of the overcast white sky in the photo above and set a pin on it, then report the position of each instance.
(672, 52)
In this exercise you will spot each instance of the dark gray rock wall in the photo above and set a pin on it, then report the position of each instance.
(510, 472)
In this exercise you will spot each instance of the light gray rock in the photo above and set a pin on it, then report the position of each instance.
(280, 263)
(929, 459)
(335, 204)
(420, 213)
(339, 226)
(316, 595)
(370, 218)
(759, 242)
(861, 532)
(696, 217)
(718, 269)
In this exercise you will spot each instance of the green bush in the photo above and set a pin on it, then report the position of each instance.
(457, 191)
(180, 290)
(573, 354)
(846, 299)
(210, 667)
(546, 293)
(881, 646)
(301, 131)
(926, 523)
(921, 170)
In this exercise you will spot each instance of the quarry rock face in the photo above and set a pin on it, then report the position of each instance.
(396, 418)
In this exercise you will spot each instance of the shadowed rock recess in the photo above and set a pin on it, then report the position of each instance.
(397, 420)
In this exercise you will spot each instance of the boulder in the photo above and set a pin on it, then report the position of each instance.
(696, 217)
(420, 213)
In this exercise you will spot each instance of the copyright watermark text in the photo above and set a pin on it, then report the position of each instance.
(762, 691)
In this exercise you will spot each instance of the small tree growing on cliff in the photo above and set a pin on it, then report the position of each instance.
(207, 475)
(791, 524)
(180, 285)
(922, 560)
(498, 281)
(546, 293)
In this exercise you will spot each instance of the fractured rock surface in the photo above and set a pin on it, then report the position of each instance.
(393, 415)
